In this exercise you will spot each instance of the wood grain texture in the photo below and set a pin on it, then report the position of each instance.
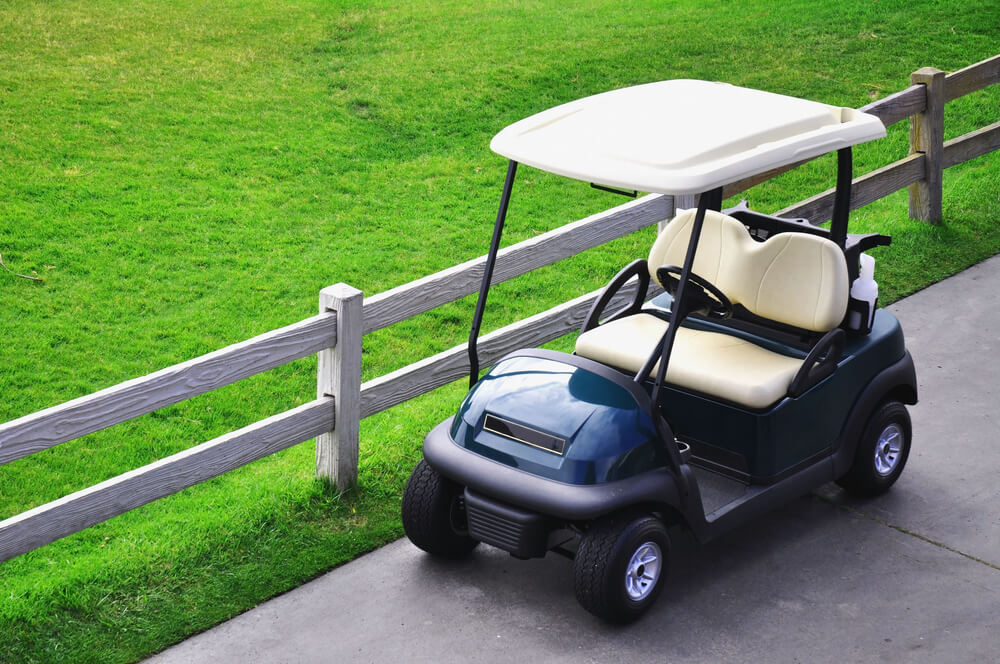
(47, 523)
(52, 426)
(433, 372)
(339, 374)
(734, 188)
(669, 211)
(890, 110)
(927, 137)
(866, 189)
(972, 145)
(432, 291)
(898, 106)
(972, 78)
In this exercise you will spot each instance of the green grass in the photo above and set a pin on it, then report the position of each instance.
(185, 175)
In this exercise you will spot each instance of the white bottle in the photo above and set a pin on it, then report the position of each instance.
(865, 289)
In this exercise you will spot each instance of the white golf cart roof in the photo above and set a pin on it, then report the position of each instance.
(680, 136)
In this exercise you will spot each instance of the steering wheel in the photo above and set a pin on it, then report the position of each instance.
(705, 299)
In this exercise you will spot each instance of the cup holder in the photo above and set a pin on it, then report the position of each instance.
(685, 451)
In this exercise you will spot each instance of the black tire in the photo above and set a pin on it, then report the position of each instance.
(621, 566)
(882, 452)
(434, 514)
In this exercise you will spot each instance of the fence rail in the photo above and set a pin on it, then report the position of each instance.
(433, 372)
(336, 333)
(972, 78)
(430, 292)
(100, 502)
(114, 405)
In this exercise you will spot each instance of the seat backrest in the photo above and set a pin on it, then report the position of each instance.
(792, 278)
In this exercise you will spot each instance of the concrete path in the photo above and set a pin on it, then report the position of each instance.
(913, 576)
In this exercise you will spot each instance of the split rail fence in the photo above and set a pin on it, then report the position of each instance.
(345, 316)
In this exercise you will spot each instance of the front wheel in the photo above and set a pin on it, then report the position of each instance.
(434, 514)
(621, 566)
(881, 453)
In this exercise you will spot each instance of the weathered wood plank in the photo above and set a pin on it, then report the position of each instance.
(927, 138)
(339, 375)
(47, 523)
(87, 414)
(424, 294)
(433, 372)
(734, 188)
(972, 145)
(889, 110)
(898, 106)
(866, 189)
(972, 78)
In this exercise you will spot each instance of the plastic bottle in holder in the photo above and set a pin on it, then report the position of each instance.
(865, 289)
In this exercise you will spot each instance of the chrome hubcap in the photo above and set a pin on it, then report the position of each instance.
(643, 571)
(887, 449)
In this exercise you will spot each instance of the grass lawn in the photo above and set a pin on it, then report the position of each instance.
(185, 175)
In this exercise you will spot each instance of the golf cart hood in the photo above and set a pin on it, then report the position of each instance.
(558, 420)
(681, 136)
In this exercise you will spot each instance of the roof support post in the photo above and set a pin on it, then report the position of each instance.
(842, 197)
(666, 344)
(491, 260)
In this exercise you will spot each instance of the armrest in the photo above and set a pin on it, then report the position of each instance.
(819, 363)
(636, 268)
(859, 243)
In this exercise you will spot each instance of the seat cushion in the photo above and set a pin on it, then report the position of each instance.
(713, 363)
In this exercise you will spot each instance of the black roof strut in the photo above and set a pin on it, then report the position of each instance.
(708, 200)
(491, 259)
(712, 199)
(842, 198)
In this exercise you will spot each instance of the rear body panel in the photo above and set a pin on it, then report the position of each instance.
(764, 446)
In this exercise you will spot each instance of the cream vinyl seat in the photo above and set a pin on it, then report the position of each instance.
(792, 278)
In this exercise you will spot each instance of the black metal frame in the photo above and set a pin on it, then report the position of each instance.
(709, 200)
(491, 259)
(842, 197)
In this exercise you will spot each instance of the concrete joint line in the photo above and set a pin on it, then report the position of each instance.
(906, 531)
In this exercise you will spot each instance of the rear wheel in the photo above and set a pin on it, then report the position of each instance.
(434, 514)
(881, 453)
(621, 566)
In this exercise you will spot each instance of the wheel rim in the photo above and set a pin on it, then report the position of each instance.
(643, 571)
(887, 450)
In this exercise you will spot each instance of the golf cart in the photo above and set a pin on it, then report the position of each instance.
(762, 371)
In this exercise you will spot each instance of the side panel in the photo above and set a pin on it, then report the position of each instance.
(766, 445)
(898, 382)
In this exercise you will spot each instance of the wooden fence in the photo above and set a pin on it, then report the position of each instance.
(336, 334)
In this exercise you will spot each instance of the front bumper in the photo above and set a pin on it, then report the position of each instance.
(557, 500)
(519, 532)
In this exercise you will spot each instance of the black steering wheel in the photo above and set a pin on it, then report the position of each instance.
(705, 299)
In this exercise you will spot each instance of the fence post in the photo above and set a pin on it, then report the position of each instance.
(682, 202)
(339, 376)
(927, 137)
(671, 211)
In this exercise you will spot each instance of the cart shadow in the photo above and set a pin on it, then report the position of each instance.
(708, 583)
